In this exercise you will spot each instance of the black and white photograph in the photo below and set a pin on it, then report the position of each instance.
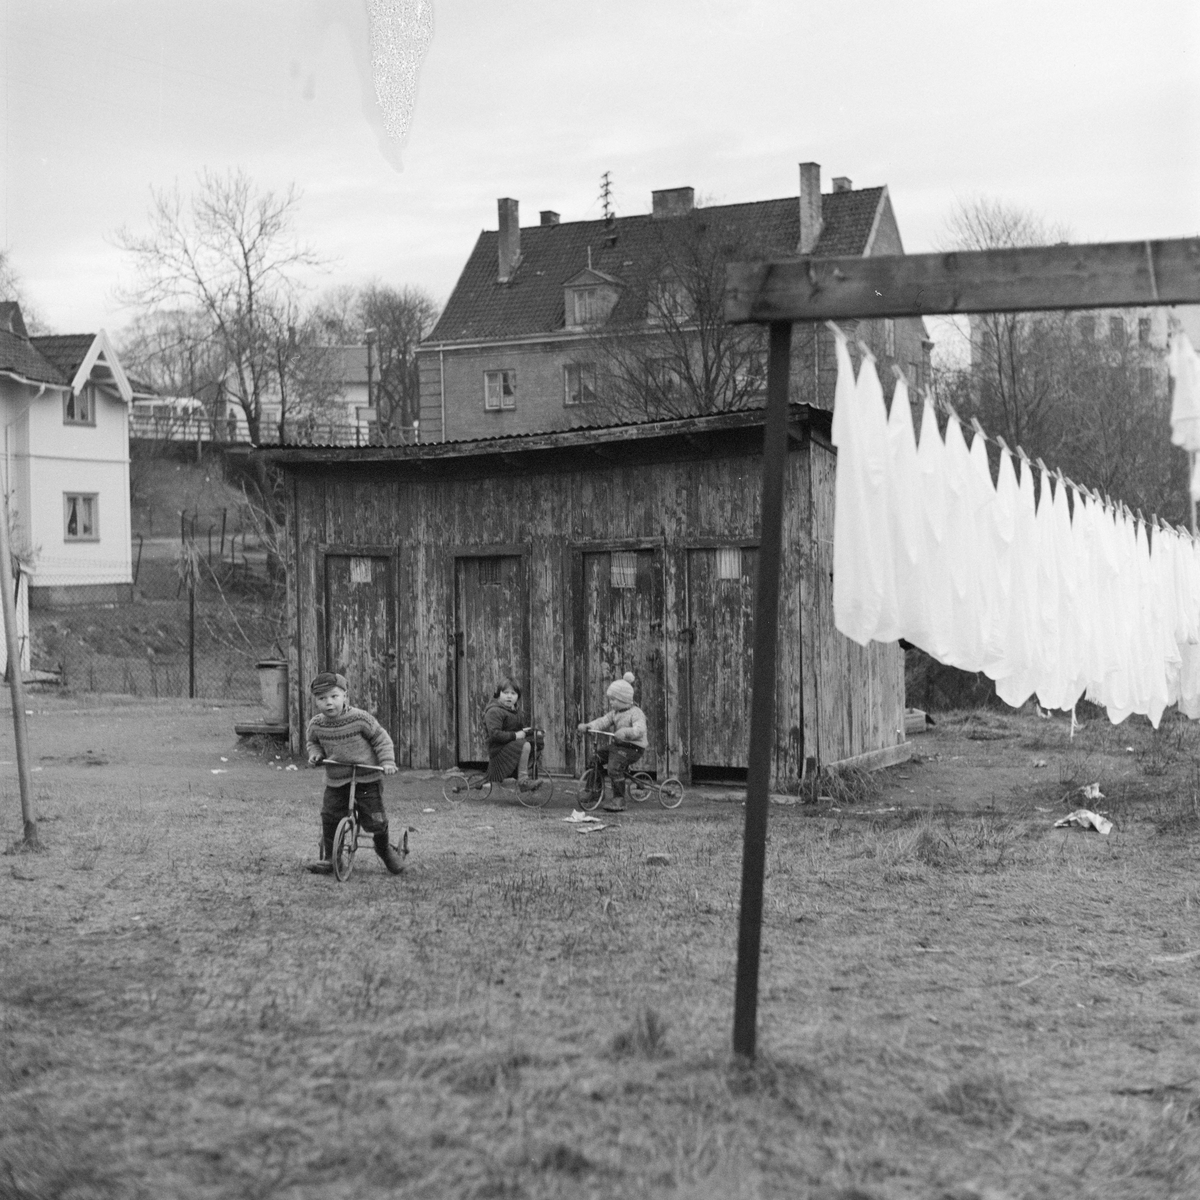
(600, 600)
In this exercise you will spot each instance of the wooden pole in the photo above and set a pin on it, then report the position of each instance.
(762, 705)
(16, 682)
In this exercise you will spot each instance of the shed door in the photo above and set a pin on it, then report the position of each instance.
(360, 631)
(490, 623)
(622, 611)
(721, 618)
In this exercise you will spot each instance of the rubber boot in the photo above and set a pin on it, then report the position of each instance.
(324, 864)
(391, 859)
(618, 797)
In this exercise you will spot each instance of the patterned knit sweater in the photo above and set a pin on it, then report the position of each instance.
(353, 736)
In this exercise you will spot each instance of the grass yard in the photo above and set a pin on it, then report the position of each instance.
(958, 1000)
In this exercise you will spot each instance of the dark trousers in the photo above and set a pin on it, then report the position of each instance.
(368, 803)
(616, 757)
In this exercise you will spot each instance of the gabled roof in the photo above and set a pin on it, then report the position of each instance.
(78, 355)
(480, 308)
(66, 351)
(11, 319)
(18, 356)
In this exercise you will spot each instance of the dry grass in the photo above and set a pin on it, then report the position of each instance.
(952, 1001)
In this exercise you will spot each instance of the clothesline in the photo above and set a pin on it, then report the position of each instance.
(1104, 500)
(1048, 595)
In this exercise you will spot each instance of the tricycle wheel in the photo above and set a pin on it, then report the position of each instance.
(670, 794)
(591, 789)
(640, 786)
(344, 845)
(455, 786)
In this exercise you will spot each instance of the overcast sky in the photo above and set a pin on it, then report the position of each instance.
(1086, 112)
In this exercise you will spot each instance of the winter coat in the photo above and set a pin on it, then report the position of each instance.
(504, 751)
(632, 720)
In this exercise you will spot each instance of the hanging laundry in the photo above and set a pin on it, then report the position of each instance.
(1183, 363)
(1058, 594)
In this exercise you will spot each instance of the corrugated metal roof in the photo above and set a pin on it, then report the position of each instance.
(480, 308)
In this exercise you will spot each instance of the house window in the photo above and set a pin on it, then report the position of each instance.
(664, 377)
(499, 389)
(1144, 331)
(1146, 381)
(1087, 328)
(79, 408)
(729, 562)
(889, 337)
(670, 301)
(579, 383)
(1116, 330)
(587, 305)
(623, 572)
(81, 523)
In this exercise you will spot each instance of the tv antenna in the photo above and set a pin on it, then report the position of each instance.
(606, 197)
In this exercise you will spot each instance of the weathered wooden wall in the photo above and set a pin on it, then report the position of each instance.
(833, 700)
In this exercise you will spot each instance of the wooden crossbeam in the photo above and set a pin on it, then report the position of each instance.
(1101, 275)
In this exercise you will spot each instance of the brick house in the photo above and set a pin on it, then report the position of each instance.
(516, 349)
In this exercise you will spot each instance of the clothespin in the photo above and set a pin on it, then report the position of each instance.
(975, 425)
(866, 350)
(1022, 455)
(1045, 470)
(1003, 445)
(837, 332)
(900, 376)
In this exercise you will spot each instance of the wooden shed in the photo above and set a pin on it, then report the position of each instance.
(424, 573)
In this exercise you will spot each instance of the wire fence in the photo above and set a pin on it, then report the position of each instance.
(193, 626)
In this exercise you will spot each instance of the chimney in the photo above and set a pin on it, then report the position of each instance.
(673, 202)
(842, 184)
(549, 216)
(810, 206)
(510, 239)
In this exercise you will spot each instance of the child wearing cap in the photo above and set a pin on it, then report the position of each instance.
(348, 735)
(628, 724)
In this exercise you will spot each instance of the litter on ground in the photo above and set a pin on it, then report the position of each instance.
(1085, 819)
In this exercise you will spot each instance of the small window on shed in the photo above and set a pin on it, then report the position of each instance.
(489, 572)
(360, 570)
(1144, 331)
(889, 337)
(729, 562)
(623, 573)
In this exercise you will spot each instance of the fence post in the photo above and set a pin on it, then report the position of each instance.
(224, 514)
(192, 636)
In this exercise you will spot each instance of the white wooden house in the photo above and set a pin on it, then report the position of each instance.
(64, 407)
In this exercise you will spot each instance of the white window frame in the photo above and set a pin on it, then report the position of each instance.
(585, 304)
(583, 376)
(79, 499)
(72, 400)
(500, 390)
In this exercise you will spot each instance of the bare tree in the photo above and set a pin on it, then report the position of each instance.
(395, 320)
(227, 256)
(1082, 390)
(666, 350)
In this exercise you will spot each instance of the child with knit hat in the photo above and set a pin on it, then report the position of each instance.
(340, 736)
(629, 742)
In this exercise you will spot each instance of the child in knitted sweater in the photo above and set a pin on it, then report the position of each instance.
(630, 738)
(348, 735)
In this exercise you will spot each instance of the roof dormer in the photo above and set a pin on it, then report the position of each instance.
(589, 298)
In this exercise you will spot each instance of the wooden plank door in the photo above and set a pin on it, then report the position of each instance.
(621, 611)
(360, 631)
(490, 621)
(720, 585)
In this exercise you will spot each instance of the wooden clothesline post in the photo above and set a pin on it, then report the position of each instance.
(779, 292)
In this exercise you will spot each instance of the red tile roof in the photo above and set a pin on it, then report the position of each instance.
(480, 308)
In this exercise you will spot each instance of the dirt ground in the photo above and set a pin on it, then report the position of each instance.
(957, 999)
